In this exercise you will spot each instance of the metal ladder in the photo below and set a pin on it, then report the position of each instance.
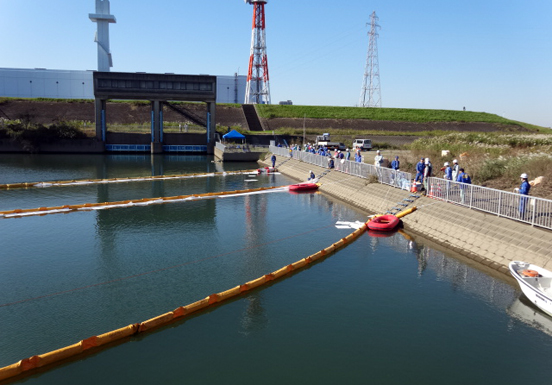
(402, 205)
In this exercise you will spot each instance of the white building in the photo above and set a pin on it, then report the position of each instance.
(69, 84)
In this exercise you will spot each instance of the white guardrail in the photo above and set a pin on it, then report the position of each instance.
(385, 175)
(523, 208)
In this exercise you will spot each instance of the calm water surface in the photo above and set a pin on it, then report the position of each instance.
(391, 310)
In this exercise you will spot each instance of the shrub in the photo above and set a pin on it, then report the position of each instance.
(31, 136)
(490, 169)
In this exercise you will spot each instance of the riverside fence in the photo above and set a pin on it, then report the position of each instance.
(523, 208)
(385, 175)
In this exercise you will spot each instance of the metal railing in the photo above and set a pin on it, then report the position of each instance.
(523, 208)
(387, 176)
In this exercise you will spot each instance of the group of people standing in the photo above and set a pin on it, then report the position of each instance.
(456, 173)
(424, 170)
(378, 161)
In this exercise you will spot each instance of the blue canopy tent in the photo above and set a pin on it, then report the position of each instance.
(233, 135)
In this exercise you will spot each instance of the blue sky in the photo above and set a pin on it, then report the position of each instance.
(485, 55)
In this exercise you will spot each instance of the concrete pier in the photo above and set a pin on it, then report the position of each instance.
(485, 238)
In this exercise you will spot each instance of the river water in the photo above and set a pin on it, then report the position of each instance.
(383, 310)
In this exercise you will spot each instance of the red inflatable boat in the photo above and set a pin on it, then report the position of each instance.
(306, 186)
(384, 223)
(268, 170)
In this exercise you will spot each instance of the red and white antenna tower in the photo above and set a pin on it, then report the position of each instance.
(257, 90)
(370, 95)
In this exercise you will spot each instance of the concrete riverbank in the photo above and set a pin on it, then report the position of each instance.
(485, 238)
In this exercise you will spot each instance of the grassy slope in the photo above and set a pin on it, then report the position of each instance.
(330, 112)
(385, 114)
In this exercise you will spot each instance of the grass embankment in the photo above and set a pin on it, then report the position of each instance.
(385, 114)
(389, 114)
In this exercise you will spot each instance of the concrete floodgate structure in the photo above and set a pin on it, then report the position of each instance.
(485, 238)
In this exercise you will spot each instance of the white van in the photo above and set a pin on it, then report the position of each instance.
(363, 144)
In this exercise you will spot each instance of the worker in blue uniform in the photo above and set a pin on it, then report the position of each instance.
(420, 171)
(463, 177)
(448, 171)
(395, 164)
(524, 191)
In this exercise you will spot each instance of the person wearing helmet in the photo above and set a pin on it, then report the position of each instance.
(378, 159)
(463, 177)
(448, 171)
(523, 190)
(311, 175)
(455, 170)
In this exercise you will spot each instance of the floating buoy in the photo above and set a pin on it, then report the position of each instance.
(529, 273)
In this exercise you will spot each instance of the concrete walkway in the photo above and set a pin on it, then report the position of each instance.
(485, 238)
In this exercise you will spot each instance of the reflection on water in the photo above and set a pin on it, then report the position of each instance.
(454, 271)
(523, 310)
(254, 317)
(16, 168)
(386, 309)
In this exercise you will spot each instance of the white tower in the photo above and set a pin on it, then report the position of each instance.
(257, 90)
(370, 95)
(103, 18)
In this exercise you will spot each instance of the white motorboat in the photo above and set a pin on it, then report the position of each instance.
(535, 283)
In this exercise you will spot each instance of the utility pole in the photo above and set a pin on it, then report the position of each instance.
(370, 95)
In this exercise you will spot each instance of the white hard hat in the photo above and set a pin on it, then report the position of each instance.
(310, 170)
(524, 176)
(446, 163)
(454, 161)
(427, 160)
(378, 151)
